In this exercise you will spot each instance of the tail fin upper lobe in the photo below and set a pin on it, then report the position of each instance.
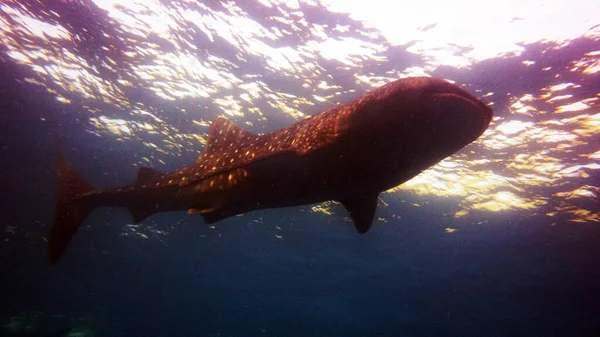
(70, 212)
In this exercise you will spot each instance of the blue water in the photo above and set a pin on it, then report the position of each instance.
(514, 276)
(285, 272)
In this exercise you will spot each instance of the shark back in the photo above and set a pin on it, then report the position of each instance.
(230, 147)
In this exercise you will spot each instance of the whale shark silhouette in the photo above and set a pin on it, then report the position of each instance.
(349, 153)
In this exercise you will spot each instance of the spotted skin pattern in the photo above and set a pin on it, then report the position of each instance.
(349, 153)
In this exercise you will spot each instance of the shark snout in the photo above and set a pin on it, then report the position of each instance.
(462, 115)
(456, 110)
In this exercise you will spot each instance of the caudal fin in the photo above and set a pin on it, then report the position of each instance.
(70, 212)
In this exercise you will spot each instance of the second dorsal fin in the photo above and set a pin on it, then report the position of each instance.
(223, 134)
(146, 174)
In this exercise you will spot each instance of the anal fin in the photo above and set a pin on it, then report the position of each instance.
(211, 210)
(362, 211)
(213, 217)
(210, 215)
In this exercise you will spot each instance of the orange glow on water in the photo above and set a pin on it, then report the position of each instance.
(547, 138)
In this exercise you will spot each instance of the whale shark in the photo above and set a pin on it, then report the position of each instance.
(349, 153)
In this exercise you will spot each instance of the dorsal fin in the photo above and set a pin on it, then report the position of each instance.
(362, 211)
(146, 174)
(222, 134)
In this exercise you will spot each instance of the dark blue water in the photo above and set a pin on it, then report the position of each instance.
(513, 276)
(285, 272)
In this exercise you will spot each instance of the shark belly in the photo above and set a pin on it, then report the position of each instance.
(337, 171)
(281, 181)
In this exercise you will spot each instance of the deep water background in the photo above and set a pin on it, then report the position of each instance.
(513, 274)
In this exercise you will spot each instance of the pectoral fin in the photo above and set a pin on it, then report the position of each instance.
(141, 212)
(362, 211)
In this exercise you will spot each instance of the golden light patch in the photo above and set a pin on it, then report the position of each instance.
(546, 139)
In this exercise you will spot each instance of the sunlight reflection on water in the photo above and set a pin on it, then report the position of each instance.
(276, 61)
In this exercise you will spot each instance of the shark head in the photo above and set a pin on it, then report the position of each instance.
(411, 124)
(435, 120)
(448, 116)
(429, 106)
